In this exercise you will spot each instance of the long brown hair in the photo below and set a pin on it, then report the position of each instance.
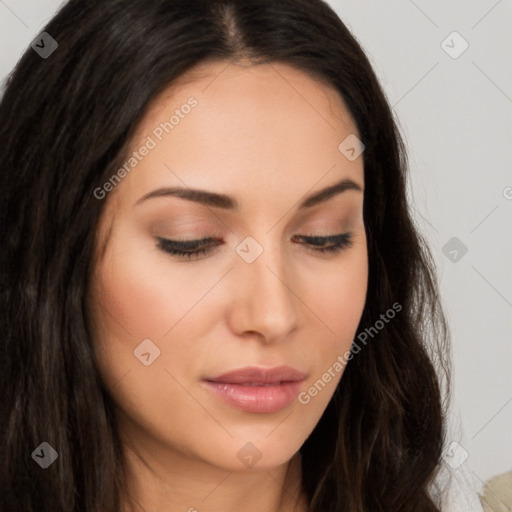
(65, 125)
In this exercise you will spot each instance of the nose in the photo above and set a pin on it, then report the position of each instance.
(264, 301)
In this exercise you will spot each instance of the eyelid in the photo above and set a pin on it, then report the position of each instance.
(323, 238)
(328, 245)
(183, 249)
(187, 242)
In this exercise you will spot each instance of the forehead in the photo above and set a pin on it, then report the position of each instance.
(251, 124)
(218, 79)
(221, 84)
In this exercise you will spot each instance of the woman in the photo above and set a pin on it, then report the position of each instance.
(214, 295)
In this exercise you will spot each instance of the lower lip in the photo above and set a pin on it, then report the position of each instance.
(258, 399)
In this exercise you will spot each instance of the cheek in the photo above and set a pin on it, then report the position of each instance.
(339, 291)
(337, 297)
(138, 297)
(142, 293)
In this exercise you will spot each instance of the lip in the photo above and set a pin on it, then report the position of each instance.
(256, 389)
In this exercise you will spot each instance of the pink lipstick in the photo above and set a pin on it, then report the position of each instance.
(258, 390)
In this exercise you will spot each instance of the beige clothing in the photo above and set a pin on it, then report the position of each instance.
(497, 494)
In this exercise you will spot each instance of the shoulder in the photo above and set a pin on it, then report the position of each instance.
(457, 489)
(497, 493)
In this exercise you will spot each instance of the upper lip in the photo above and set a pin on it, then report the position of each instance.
(259, 375)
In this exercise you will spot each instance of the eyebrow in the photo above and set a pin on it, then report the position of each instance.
(230, 203)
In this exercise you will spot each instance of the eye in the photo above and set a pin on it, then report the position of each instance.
(192, 249)
(188, 248)
(327, 244)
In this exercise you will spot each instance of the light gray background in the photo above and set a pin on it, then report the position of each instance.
(455, 114)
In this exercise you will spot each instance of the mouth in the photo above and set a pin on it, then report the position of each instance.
(258, 390)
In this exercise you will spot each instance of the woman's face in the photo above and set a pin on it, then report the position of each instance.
(264, 139)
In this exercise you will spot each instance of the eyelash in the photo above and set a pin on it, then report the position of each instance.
(188, 248)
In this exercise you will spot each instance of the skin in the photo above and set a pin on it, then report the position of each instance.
(268, 136)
